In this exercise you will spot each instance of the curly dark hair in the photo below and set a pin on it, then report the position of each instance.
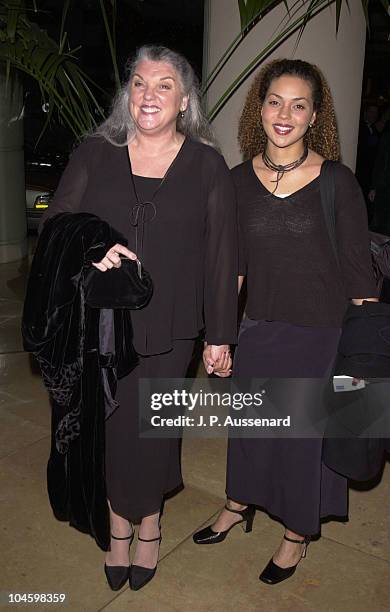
(322, 137)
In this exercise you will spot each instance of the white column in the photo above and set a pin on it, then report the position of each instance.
(340, 58)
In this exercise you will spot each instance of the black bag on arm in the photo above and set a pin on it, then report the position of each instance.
(364, 348)
(363, 352)
(379, 243)
(380, 256)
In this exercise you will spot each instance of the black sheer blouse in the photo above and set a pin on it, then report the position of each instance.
(190, 239)
(286, 253)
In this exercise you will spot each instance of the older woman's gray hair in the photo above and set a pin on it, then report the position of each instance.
(119, 127)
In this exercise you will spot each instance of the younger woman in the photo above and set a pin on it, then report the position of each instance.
(297, 297)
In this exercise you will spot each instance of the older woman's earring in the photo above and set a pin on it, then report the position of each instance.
(182, 114)
(311, 125)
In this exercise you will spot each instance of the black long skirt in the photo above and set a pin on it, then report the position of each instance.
(286, 477)
(139, 471)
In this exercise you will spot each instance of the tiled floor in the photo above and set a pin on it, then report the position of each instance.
(348, 569)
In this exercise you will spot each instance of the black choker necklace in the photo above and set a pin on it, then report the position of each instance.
(280, 169)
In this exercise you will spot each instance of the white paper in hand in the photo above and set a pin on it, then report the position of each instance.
(344, 383)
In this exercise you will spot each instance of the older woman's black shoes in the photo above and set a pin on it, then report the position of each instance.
(140, 576)
(208, 536)
(272, 573)
(117, 575)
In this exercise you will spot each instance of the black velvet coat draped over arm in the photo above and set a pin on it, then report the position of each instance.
(81, 352)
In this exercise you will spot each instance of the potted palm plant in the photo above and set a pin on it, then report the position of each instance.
(68, 94)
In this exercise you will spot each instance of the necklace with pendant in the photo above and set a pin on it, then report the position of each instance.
(145, 211)
(280, 169)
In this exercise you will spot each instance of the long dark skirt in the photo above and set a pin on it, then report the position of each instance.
(139, 471)
(285, 477)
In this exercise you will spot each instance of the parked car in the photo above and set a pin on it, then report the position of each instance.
(42, 174)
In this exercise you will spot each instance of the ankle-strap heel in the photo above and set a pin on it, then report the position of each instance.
(247, 516)
(272, 573)
(139, 576)
(117, 575)
(305, 541)
(208, 536)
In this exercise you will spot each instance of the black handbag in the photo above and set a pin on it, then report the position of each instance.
(364, 348)
(129, 286)
(363, 351)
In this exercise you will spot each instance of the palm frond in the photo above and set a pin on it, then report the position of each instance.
(290, 25)
(247, 24)
(63, 84)
(63, 34)
(111, 38)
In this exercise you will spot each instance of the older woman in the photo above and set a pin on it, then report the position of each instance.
(297, 296)
(153, 163)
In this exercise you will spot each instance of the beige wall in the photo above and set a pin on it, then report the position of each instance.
(341, 59)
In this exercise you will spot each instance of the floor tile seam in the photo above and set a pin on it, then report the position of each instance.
(188, 484)
(15, 398)
(9, 317)
(115, 597)
(322, 538)
(186, 538)
(4, 300)
(8, 405)
(354, 548)
(23, 448)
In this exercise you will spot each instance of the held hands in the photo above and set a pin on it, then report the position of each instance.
(112, 258)
(217, 360)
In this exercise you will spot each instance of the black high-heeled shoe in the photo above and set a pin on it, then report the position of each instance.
(208, 536)
(272, 573)
(138, 575)
(117, 575)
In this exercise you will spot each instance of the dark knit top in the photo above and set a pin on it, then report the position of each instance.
(286, 254)
(190, 239)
